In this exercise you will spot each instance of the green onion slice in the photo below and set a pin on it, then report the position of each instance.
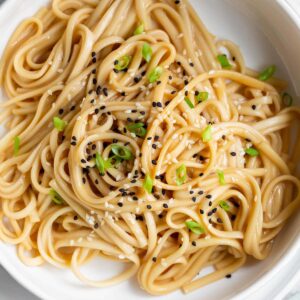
(121, 151)
(148, 184)
(287, 99)
(202, 96)
(181, 175)
(267, 73)
(59, 124)
(189, 102)
(56, 198)
(194, 227)
(221, 177)
(137, 128)
(223, 60)
(252, 152)
(147, 52)
(17, 142)
(155, 74)
(223, 204)
(206, 134)
(123, 62)
(139, 29)
(102, 164)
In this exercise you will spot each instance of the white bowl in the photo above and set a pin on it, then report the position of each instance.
(268, 32)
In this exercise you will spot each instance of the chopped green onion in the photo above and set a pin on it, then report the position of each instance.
(189, 102)
(16, 145)
(221, 177)
(59, 124)
(102, 164)
(287, 99)
(181, 175)
(148, 184)
(139, 29)
(122, 63)
(252, 152)
(194, 227)
(223, 204)
(202, 96)
(56, 198)
(147, 52)
(137, 128)
(206, 134)
(155, 74)
(121, 152)
(267, 73)
(223, 60)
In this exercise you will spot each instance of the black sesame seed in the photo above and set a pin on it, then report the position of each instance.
(102, 107)
(93, 53)
(96, 111)
(191, 192)
(201, 174)
(72, 107)
(219, 220)
(73, 143)
(209, 213)
(61, 111)
(94, 81)
(105, 92)
(200, 193)
(94, 71)
(208, 196)
(83, 161)
(120, 204)
(143, 73)
(136, 79)
(186, 93)
(75, 218)
(158, 104)
(154, 146)
(160, 216)
(154, 162)
(194, 243)
(149, 206)
(83, 180)
(214, 210)
(153, 104)
(232, 153)
(135, 198)
(165, 205)
(96, 181)
(233, 217)
(186, 82)
(228, 276)
(154, 259)
(201, 211)
(94, 147)
(123, 94)
(209, 203)
(94, 59)
(253, 107)
(194, 199)
(98, 90)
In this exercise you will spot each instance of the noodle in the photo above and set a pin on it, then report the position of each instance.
(131, 137)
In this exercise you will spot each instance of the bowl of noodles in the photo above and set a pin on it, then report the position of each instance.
(150, 148)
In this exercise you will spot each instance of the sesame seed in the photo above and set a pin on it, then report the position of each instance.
(154, 259)
(208, 196)
(201, 211)
(149, 206)
(120, 204)
(165, 205)
(232, 153)
(194, 243)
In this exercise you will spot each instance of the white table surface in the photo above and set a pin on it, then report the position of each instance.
(11, 290)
